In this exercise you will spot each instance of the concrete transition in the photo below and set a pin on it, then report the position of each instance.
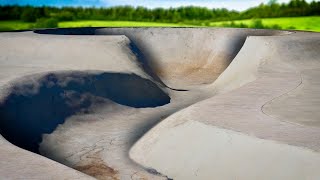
(159, 103)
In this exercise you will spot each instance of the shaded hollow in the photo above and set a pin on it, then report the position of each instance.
(35, 107)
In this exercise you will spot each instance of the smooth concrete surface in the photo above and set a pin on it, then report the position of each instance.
(159, 103)
(206, 152)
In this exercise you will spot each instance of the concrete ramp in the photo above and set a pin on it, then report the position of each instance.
(260, 104)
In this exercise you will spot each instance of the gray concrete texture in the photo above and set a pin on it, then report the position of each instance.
(159, 103)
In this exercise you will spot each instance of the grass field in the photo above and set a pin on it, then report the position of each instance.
(117, 24)
(14, 25)
(297, 23)
(19, 25)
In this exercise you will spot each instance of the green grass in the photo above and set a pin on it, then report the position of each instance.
(20, 25)
(297, 23)
(14, 25)
(311, 23)
(117, 24)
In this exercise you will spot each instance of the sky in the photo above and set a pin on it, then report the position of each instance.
(229, 4)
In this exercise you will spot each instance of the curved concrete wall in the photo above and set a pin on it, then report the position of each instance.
(182, 57)
(185, 57)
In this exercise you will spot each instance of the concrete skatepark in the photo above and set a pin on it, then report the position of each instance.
(159, 103)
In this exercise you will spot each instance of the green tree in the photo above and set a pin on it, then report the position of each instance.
(31, 14)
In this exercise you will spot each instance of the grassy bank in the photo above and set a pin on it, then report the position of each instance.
(20, 25)
(116, 24)
(295, 23)
(14, 25)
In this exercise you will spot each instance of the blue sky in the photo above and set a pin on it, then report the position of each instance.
(230, 4)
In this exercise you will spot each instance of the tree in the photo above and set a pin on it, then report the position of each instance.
(31, 14)
(272, 2)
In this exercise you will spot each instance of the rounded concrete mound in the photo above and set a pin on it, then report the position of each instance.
(159, 103)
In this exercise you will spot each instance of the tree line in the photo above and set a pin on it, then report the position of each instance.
(172, 15)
